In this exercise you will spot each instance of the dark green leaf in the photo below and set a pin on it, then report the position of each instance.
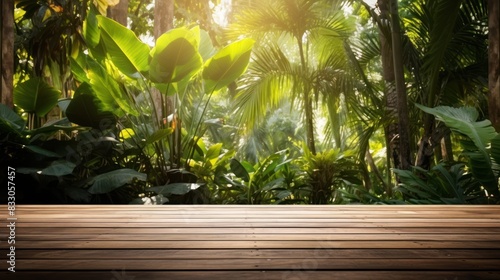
(107, 182)
(175, 189)
(159, 135)
(83, 111)
(238, 170)
(36, 96)
(41, 151)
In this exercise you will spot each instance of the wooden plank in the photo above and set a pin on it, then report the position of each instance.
(242, 230)
(168, 213)
(50, 220)
(252, 237)
(286, 242)
(196, 244)
(295, 274)
(264, 264)
(187, 224)
(319, 253)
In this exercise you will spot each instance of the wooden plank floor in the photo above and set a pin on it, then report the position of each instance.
(254, 242)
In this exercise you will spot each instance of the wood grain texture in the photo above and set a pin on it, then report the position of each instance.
(254, 242)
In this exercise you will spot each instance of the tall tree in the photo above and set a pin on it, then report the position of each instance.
(402, 103)
(314, 31)
(494, 62)
(166, 105)
(448, 37)
(120, 12)
(391, 98)
(163, 21)
(7, 47)
(163, 16)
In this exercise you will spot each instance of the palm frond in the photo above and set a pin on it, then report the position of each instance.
(268, 79)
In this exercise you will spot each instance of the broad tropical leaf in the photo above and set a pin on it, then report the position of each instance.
(84, 111)
(175, 189)
(91, 31)
(109, 92)
(11, 125)
(159, 135)
(41, 151)
(238, 170)
(206, 49)
(464, 121)
(175, 56)
(227, 65)
(57, 168)
(78, 66)
(478, 135)
(9, 116)
(213, 152)
(127, 52)
(495, 148)
(36, 96)
(107, 182)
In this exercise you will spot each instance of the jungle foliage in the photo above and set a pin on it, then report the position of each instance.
(286, 104)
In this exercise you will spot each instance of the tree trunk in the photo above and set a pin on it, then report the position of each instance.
(120, 12)
(166, 105)
(163, 21)
(391, 98)
(163, 17)
(403, 117)
(308, 104)
(494, 63)
(7, 47)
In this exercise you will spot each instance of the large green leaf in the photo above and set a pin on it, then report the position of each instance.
(84, 111)
(8, 115)
(109, 92)
(41, 151)
(50, 128)
(175, 189)
(464, 121)
(227, 65)
(495, 148)
(110, 181)
(175, 56)
(159, 135)
(36, 96)
(206, 49)
(78, 66)
(238, 170)
(478, 135)
(57, 168)
(11, 125)
(127, 52)
(91, 32)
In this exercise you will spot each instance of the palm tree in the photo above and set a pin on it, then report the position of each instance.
(444, 52)
(301, 55)
(397, 130)
(447, 55)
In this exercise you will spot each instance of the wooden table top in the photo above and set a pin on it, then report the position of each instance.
(252, 242)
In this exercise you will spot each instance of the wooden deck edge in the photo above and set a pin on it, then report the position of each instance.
(247, 275)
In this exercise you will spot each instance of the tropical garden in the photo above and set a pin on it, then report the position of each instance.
(251, 101)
